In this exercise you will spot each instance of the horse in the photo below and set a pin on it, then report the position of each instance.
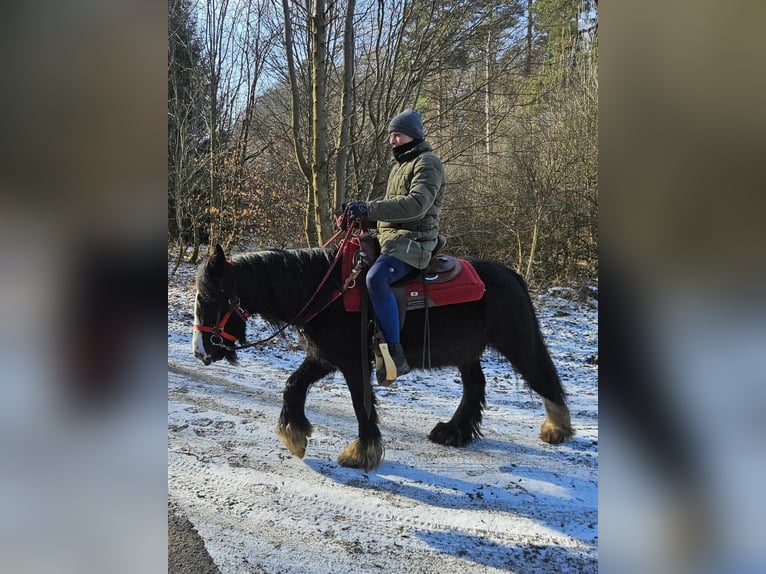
(276, 285)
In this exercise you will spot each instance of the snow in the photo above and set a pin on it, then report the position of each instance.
(508, 502)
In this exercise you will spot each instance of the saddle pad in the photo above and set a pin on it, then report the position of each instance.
(466, 287)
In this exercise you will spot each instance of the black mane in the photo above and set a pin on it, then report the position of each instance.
(277, 283)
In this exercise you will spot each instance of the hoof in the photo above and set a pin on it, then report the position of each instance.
(294, 438)
(451, 435)
(557, 426)
(357, 455)
(553, 434)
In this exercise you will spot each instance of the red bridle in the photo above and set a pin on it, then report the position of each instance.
(218, 332)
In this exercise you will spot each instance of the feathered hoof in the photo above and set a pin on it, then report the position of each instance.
(449, 434)
(357, 455)
(553, 434)
(294, 438)
(557, 426)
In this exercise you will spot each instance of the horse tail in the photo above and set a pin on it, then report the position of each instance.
(517, 335)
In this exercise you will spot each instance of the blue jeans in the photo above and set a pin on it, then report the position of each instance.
(384, 271)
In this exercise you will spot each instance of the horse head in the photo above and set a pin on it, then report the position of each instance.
(218, 319)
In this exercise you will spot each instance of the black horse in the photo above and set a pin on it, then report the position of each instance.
(276, 284)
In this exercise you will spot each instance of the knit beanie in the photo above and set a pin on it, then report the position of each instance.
(409, 123)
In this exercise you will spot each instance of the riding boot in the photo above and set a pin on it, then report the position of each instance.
(390, 362)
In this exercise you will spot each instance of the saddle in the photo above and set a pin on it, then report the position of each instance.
(447, 280)
(441, 268)
(411, 291)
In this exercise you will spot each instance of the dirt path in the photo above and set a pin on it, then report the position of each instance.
(186, 549)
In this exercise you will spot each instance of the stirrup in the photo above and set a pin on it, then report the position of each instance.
(386, 367)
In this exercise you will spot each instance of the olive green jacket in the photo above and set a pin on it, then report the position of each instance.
(408, 214)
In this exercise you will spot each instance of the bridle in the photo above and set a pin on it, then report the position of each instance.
(218, 333)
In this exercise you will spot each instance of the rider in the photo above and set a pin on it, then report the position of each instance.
(407, 225)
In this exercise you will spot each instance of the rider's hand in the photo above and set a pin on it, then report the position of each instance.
(357, 209)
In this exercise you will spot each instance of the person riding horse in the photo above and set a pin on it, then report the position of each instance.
(407, 227)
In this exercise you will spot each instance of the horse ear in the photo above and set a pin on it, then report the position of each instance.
(218, 258)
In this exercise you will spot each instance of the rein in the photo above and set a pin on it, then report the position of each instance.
(219, 333)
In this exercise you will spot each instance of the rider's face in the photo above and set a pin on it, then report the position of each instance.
(395, 139)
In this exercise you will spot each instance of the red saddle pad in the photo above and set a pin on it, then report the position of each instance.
(466, 287)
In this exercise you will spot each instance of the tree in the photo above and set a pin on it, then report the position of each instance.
(346, 107)
(320, 207)
(320, 181)
(508, 92)
(186, 129)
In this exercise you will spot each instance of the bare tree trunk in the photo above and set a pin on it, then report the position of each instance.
(180, 257)
(319, 164)
(533, 246)
(346, 105)
(310, 227)
(214, 30)
(295, 123)
(488, 106)
(214, 193)
(528, 59)
(194, 257)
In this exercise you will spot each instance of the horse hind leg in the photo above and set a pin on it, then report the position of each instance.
(557, 426)
(293, 427)
(533, 362)
(465, 424)
(543, 378)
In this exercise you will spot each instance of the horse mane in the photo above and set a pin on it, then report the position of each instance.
(277, 283)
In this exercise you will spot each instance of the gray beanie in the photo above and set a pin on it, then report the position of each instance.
(409, 123)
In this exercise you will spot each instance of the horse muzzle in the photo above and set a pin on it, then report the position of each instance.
(198, 349)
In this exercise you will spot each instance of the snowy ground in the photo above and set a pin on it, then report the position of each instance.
(508, 502)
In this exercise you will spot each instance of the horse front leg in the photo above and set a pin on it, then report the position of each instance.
(294, 428)
(366, 451)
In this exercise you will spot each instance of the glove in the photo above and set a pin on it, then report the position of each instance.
(357, 209)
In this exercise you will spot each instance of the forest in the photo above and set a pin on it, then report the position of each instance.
(278, 113)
